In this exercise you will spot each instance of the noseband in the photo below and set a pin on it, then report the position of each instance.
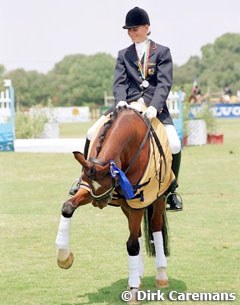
(108, 194)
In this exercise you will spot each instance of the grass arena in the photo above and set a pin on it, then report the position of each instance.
(204, 238)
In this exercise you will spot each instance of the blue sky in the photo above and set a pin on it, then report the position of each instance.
(36, 34)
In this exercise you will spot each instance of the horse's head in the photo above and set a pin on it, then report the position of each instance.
(120, 146)
(97, 175)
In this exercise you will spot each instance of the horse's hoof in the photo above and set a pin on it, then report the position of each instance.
(67, 263)
(162, 283)
(133, 302)
(134, 299)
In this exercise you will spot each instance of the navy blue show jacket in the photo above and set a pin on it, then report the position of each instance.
(128, 79)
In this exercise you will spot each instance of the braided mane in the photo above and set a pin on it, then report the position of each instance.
(107, 126)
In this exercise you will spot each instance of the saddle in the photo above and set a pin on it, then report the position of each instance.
(158, 175)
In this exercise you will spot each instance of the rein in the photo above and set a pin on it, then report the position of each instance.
(151, 130)
(160, 149)
(134, 158)
(115, 178)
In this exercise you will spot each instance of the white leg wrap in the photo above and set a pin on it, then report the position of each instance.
(62, 240)
(160, 256)
(95, 126)
(134, 279)
(140, 261)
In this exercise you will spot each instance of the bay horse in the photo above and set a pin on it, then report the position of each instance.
(118, 158)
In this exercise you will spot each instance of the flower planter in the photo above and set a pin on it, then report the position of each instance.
(215, 138)
(185, 141)
(197, 132)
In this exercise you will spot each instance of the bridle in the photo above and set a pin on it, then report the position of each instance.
(91, 175)
(115, 183)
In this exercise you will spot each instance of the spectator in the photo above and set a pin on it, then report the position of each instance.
(196, 95)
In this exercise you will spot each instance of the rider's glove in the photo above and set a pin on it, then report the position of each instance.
(122, 104)
(151, 112)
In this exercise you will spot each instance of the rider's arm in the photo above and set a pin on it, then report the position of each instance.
(164, 79)
(120, 84)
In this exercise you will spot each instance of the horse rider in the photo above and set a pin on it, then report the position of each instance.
(143, 73)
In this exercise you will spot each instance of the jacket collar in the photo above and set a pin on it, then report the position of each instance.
(132, 54)
(153, 48)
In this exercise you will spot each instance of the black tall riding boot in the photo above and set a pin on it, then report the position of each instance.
(76, 184)
(174, 202)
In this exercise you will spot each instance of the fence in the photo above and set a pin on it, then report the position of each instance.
(175, 108)
(7, 126)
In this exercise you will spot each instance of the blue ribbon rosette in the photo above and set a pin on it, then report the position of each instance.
(125, 184)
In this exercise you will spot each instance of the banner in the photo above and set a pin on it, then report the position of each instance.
(220, 110)
(226, 110)
(63, 114)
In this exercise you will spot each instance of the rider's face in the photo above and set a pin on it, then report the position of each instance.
(138, 34)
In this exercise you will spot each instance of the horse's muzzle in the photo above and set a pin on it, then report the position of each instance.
(100, 204)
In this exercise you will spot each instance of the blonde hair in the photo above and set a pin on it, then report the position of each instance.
(149, 30)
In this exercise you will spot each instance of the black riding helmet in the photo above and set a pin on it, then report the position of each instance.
(136, 17)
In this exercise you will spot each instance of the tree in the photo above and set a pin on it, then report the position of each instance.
(82, 79)
(28, 87)
(76, 80)
(2, 70)
(218, 66)
(19, 79)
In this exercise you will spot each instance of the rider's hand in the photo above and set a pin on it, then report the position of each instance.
(151, 112)
(122, 104)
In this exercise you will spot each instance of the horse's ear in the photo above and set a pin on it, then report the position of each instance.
(80, 158)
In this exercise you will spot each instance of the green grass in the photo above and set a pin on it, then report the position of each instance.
(205, 245)
(74, 130)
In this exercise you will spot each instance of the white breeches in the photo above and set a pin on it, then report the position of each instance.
(173, 139)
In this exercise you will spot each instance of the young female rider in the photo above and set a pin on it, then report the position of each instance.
(143, 73)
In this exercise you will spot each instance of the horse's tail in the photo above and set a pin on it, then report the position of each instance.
(165, 231)
(148, 232)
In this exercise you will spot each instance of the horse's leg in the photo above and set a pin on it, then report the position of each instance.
(134, 223)
(140, 256)
(64, 255)
(161, 261)
(140, 261)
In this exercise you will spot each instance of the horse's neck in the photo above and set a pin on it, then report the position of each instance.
(120, 138)
(123, 140)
